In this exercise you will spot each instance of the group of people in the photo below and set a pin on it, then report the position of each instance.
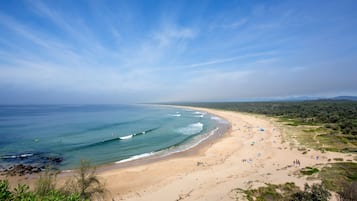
(296, 162)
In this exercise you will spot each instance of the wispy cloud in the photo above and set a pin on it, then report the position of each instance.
(127, 49)
(234, 25)
(168, 35)
(231, 59)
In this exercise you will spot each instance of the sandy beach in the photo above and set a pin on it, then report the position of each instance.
(250, 154)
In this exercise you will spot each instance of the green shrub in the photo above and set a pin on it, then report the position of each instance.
(309, 171)
(316, 192)
(22, 193)
(348, 192)
(85, 183)
(46, 183)
(84, 186)
(5, 193)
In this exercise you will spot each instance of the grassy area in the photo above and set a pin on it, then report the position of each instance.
(286, 192)
(270, 192)
(336, 174)
(316, 137)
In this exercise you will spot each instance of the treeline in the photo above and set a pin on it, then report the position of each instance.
(340, 116)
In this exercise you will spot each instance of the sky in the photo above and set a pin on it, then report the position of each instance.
(158, 51)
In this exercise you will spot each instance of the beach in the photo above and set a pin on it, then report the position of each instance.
(249, 155)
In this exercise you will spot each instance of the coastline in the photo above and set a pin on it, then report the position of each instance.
(164, 154)
(214, 169)
(221, 129)
(243, 157)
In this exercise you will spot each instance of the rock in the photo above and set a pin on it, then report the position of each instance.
(30, 164)
(21, 170)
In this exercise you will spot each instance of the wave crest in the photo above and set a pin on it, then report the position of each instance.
(126, 137)
(135, 157)
(191, 129)
(116, 139)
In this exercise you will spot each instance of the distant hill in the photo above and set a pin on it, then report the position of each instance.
(352, 98)
(298, 99)
(304, 98)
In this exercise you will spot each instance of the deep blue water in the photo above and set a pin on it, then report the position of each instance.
(99, 133)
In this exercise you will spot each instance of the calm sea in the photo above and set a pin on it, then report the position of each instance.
(99, 133)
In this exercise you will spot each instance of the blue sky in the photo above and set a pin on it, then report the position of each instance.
(145, 51)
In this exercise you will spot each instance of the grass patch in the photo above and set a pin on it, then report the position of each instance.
(271, 192)
(318, 138)
(334, 176)
(309, 171)
(286, 192)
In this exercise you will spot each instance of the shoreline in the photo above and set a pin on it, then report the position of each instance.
(244, 157)
(219, 167)
(221, 129)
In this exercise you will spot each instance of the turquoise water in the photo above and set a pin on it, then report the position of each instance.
(99, 133)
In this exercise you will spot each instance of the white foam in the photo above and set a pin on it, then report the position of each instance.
(220, 120)
(191, 129)
(17, 156)
(126, 137)
(136, 157)
(25, 155)
(175, 115)
(185, 148)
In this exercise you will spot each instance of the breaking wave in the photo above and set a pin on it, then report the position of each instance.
(135, 157)
(191, 129)
(116, 139)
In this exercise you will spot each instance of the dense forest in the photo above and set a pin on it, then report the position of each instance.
(338, 115)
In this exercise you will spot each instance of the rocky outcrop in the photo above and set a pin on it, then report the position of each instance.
(21, 169)
(31, 164)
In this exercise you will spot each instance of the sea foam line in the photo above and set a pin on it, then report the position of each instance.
(162, 152)
(136, 157)
(126, 137)
(191, 129)
(192, 145)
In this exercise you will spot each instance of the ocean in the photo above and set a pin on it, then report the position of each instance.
(65, 134)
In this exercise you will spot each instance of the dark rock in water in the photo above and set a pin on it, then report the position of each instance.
(20, 170)
(53, 159)
(29, 163)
